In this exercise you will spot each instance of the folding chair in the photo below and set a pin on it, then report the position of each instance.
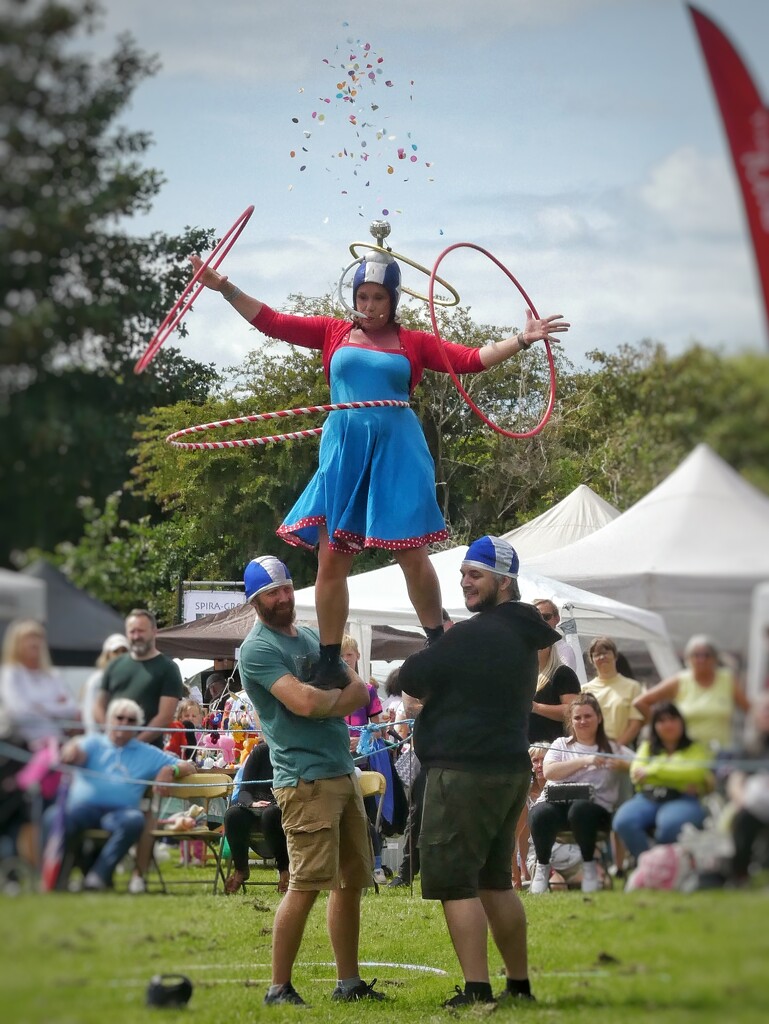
(374, 784)
(602, 845)
(259, 846)
(203, 787)
(79, 845)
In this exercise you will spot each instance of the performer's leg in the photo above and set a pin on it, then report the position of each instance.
(331, 597)
(423, 586)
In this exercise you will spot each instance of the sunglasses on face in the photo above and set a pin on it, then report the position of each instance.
(548, 616)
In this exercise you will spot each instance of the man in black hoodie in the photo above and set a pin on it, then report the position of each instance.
(477, 684)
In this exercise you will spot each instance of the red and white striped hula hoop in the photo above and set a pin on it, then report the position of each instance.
(250, 442)
(183, 304)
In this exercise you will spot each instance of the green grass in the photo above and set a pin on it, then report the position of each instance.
(614, 957)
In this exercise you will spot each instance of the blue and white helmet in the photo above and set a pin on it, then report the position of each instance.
(379, 268)
(265, 573)
(493, 554)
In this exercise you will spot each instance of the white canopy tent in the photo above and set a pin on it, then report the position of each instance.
(580, 513)
(692, 550)
(758, 651)
(20, 598)
(380, 598)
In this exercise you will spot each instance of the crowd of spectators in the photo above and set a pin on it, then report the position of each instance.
(649, 756)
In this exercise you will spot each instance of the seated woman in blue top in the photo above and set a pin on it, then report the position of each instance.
(671, 773)
(109, 794)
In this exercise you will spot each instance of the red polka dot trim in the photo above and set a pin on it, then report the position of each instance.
(407, 542)
(349, 543)
(286, 532)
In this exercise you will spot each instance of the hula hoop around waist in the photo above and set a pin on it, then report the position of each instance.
(250, 442)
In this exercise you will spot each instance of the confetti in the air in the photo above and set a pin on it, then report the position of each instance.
(361, 138)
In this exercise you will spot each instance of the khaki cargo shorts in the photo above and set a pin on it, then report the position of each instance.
(327, 834)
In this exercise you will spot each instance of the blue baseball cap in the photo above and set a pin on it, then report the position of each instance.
(379, 268)
(493, 554)
(265, 573)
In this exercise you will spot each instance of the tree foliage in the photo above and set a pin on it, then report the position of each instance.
(634, 418)
(127, 563)
(79, 296)
(620, 427)
(89, 478)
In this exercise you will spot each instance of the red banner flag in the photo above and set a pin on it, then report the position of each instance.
(746, 122)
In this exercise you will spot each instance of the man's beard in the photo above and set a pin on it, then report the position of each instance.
(489, 601)
(141, 648)
(279, 616)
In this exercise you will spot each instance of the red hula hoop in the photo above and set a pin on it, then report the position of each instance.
(280, 414)
(174, 318)
(489, 423)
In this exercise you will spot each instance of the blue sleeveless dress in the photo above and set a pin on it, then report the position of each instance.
(375, 483)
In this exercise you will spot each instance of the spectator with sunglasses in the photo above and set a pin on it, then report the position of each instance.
(108, 794)
(549, 612)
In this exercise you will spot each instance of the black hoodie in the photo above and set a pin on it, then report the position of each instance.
(477, 683)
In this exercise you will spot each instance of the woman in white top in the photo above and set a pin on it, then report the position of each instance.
(115, 645)
(35, 697)
(586, 755)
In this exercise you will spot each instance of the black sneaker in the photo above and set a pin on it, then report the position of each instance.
(328, 677)
(285, 994)
(397, 883)
(465, 999)
(361, 991)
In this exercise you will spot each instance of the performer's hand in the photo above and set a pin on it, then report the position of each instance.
(540, 330)
(210, 278)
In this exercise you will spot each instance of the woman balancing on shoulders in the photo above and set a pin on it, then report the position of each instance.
(375, 483)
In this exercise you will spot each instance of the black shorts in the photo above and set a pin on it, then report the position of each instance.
(468, 831)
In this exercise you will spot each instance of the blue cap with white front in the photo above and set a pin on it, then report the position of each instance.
(379, 268)
(265, 573)
(493, 554)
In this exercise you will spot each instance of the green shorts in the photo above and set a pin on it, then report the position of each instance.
(468, 831)
(327, 834)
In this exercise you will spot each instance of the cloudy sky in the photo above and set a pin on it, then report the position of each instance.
(577, 140)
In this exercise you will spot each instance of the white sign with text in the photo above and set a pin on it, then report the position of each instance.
(198, 603)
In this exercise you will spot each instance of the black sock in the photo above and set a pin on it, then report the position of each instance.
(519, 988)
(481, 990)
(330, 653)
(433, 633)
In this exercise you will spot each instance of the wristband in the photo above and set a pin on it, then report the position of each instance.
(177, 772)
(522, 343)
(232, 294)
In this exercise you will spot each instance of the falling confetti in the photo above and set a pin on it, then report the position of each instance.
(360, 130)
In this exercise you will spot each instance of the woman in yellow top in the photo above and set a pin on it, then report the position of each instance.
(706, 693)
(671, 773)
(614, 692)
